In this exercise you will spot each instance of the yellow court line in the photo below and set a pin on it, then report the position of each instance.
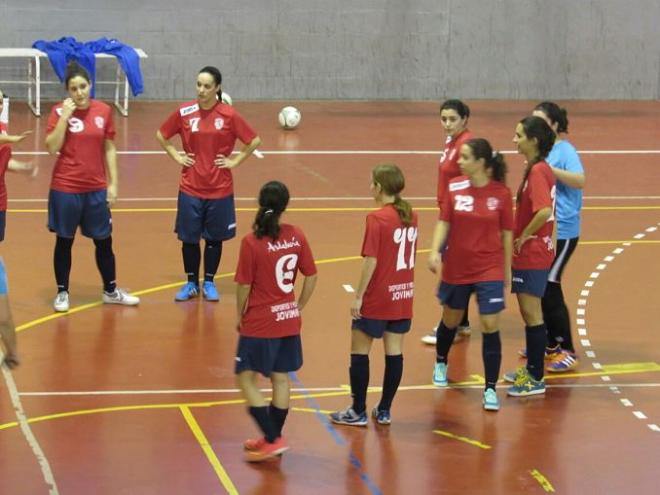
(310, 410)
(476, 443)
(208, 450)
(543, 481)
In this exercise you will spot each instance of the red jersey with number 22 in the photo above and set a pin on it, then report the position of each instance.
(389, 295)
(270, 268)
(476, 217)
(5, 156)
(538, 192)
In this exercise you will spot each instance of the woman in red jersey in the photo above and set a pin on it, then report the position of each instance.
(454, 115)
(476, 221)
(533, 248)
(269, 315)
(205, 209)
(383, 302)
(81, 129)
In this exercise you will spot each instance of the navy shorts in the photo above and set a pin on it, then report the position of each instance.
(210, 219)
(376, 328)
(279, 355)
(3, 223)
(529, 282)
(490, 296)
(90, 211)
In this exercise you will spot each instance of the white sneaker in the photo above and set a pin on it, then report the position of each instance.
(120, 296)
(430, 337)
(61, 302)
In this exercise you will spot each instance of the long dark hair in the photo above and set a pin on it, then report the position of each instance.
(555, 114)
(536, 128)
(391, 180)
(217, 77)
(273, 200)
(74, 69)
(494, 159)
(457, 105)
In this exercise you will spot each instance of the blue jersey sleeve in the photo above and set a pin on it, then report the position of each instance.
(3, 278)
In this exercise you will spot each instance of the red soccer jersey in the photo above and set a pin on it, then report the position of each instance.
(5, 156)
(476, 216)
(80, 166)
(270, 268)
(389, 295)
(207, 133)
(448, 166)
(538, 192)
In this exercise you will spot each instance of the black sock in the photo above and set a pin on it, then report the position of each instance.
(536, 339)
(444, 338)
(359, 373)
(191, 258)
(212, 255)
(105, 261)
(62, 262)
(391, 380)
(278, 417)
(491, 351)
(261, 417)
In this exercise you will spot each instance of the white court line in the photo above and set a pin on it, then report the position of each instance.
(606, 378)
(594, 275)
(618, 251)
(597, 366)
(580, 321)
(626, 402)
(615, 390)
(580, 311)
(602, 266)
(608, 258)
(590, 354)
(582, 332)
(639, 236)
(639, 415)
(584, 293)
(46, 472)
(585, 343)
(582, 302)
(654, 427)
(652, 229)
(348, 288)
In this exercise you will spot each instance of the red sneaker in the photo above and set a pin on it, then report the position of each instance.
(267, 451)
(254, 443)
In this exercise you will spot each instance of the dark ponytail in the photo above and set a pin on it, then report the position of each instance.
(74, 69)
(555, 114)
(494, 160)
(391, 180)
(217, 77)
(273, 200)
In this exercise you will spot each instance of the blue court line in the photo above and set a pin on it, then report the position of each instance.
(339, 440)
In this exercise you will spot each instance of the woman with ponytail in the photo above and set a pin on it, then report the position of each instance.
(568, 170)
(476, 223)
(533, 248)
(269, 315)
(208, 129)
(383, 302)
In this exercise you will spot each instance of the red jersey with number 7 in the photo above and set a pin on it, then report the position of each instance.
(538, 192)
(389, 295)
(270, 268)
(5, 156)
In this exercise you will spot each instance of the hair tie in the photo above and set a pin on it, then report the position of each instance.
(494, 153)
(269, 211)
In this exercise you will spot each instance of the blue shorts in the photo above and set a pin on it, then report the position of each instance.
(376, 328)
(210, 219)
(529, 282)
(490, 296)
(3, 223)
(279, 355)
(3, 279)
(90, 211)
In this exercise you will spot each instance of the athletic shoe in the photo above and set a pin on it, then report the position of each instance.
(188, 291)
(512, 376)
(562, 362)
(61, 302)
(210, 292)
(254, 443)
(349, 417)
(550, 353)
(430, 337)
(382, 417)
(440, 375)
(120, 296)
(525, 385)
(490, 400)
(267, 451)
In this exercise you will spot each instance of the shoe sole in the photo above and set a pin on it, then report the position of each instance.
(61, 310)
(491, 408)
(211, 299)
(552, 370)
(337, 422)
(272, 455)
(525, 394)
(440, 384)
(121, 303)
(184, 300)
(428, 340)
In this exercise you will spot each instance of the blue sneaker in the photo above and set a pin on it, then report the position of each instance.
(349, 417)
(511, 376)
(188, 291)
(210, 292)
(525, 385)
(490, 401)
(440, 375)
(382, 417)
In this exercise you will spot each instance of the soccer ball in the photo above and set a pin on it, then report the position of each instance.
(289, 117)
(226, 99)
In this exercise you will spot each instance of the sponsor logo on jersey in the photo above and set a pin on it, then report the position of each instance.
(284, 244)
(219, 123)
(100, 122)
(188, 110)
(457, 186)
(518, 280)
(492, 203)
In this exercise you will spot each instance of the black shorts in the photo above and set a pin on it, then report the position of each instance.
(279, 355)
(376, 328)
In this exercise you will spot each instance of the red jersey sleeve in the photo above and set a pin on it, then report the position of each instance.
(506, 216)
(245, 271)
(110, 125)
(53, 118)
(306, 263)
(371, 242)
(171, 126)
(540, 192)
(443, 184)
(446, 208)
(243, 130)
